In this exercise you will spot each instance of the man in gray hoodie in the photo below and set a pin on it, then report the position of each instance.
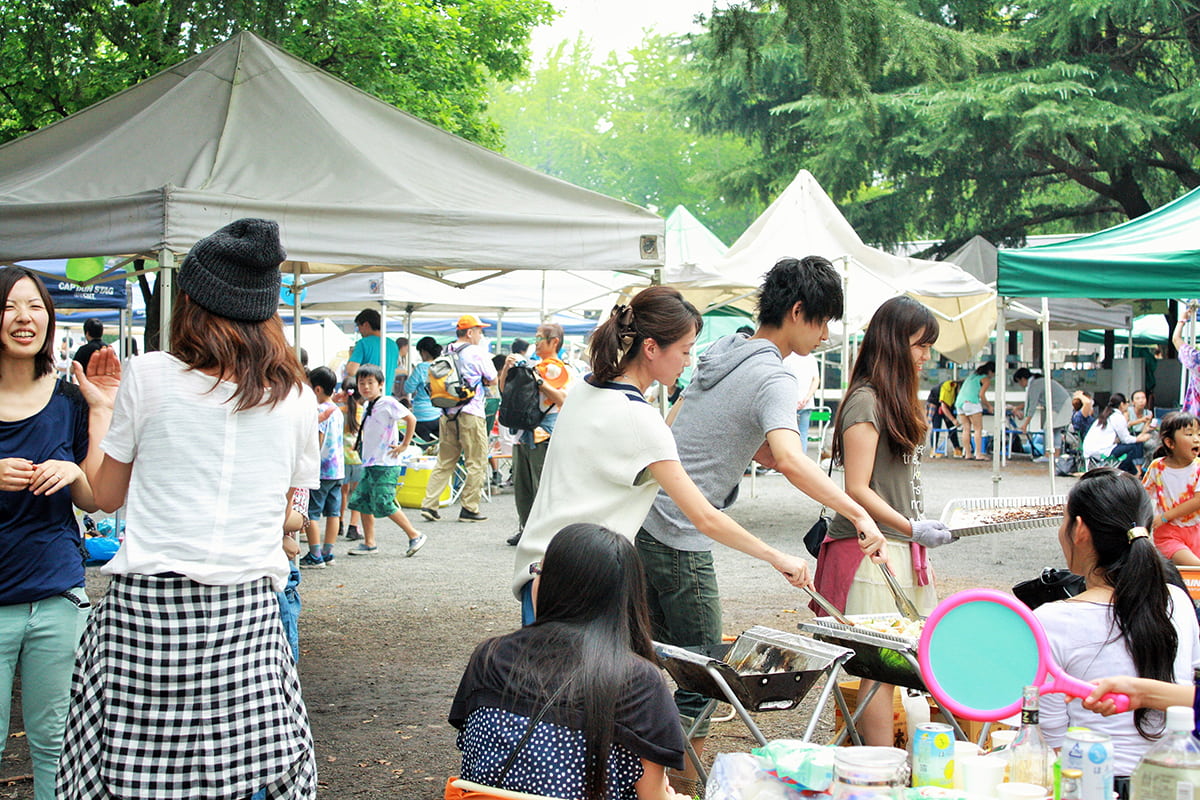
(740, 405)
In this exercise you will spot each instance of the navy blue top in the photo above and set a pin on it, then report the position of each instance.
(41, 552)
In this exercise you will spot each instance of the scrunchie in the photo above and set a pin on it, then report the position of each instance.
(626, 331)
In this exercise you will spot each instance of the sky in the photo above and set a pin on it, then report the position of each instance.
(617, 24)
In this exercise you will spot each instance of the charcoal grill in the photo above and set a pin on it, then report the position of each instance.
(878, 656)
(960, 515)
(762, 670)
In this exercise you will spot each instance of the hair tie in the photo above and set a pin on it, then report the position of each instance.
(625, 329)
(1137, 532)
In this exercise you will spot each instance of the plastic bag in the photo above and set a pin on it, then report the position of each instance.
(801, 764)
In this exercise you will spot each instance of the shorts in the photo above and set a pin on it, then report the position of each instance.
(354, 473)
(376, 492)
(325, 501)
(969, 408)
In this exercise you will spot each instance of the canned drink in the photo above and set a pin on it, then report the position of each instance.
(933, 755)
(1092, 754)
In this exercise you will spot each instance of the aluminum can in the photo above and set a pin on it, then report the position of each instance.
(933, 755)
(1092, 754)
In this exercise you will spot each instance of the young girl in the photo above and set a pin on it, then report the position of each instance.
(185, 684)
(972, 402)
(1171, 480)
(1128, 621)
(380, 447)
(608, 728)
(879, 436)
(43, 442)
(352, 418)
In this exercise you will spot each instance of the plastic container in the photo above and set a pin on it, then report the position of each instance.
(410, 492)
(875, 773)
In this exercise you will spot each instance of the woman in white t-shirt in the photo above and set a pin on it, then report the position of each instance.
(611, 450)
(185, 684)
(1128, 621)
(1109, 436)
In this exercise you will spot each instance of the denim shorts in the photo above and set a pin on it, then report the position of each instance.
(354, 473)
(325, 501)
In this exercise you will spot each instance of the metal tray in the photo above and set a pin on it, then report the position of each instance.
(877, 656)
(768, 670)
(958, 515)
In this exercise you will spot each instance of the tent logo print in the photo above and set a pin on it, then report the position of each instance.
(649, 249)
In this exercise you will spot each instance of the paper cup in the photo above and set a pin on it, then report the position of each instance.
(1020, 791)
(1002, 739)
(962, 750)
(980, 775)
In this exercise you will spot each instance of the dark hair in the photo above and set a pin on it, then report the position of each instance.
(518, 346)
(592, 624)
(428, 346)
(1114, 403)
(43, 362)
(1112, 503)
(369, 316)
(1022, 373)
(498, 361)
(810, 281)
(350, 412)
(368, 371)
(401, 342)
(323, 378)
(885, 364)
(986, 368)
(253, 355)
(303, 357)
(93, 328)
(659, 313)
(554, 331)
(1145, 394)
(1171, 423)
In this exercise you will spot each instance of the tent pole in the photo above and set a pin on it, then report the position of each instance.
(1047, 395)
(166, 283)
(408, 334)
(845, 365)
(500, 330)
(296, 306)
(388, 377)
(998, 397)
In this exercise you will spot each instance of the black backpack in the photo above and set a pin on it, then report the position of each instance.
(520, 399)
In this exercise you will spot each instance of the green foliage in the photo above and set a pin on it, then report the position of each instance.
(613, 127)
(433, 58)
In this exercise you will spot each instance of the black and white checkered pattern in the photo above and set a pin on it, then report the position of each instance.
(184, 690)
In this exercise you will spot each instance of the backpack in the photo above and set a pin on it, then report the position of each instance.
(520, 399)
(448, 388)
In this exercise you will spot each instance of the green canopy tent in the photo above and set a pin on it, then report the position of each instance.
(1156, 255)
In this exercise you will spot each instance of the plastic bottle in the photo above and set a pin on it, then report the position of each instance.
(1170, 770)
(1030, 758)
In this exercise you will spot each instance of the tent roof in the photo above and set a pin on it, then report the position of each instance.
(978, 257)
(1155, 255)
(245, 129)
(692, 249)
(803, 220)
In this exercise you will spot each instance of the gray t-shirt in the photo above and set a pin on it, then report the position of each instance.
(894, 478)
(740, 391)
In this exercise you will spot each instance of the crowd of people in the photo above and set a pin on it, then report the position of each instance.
(181, 682)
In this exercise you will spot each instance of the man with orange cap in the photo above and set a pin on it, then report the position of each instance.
(463, 430)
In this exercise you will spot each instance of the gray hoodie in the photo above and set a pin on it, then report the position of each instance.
(739, 391)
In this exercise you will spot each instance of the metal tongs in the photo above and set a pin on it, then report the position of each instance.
(905, 606)
(829, 607)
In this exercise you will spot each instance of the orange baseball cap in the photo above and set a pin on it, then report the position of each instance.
(470, 321)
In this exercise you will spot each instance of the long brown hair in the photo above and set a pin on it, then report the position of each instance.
(659, 313)
(254, 355)
(885, 364)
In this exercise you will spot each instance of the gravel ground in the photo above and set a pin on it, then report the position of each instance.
(385, 638)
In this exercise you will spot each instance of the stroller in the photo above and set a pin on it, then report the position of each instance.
(1071, 460)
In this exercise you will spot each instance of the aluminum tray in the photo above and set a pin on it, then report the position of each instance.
(959, 514)
(877, 656)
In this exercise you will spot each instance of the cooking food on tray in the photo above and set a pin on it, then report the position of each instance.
(993, 516)
(896, 626)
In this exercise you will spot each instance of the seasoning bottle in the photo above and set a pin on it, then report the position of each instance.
(1170, 770)
(1071, 785)
(1030, 757)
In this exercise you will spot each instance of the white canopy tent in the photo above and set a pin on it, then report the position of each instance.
(245, 129)
(803, 220)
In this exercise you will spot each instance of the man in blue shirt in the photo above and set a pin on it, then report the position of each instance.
(366, 350)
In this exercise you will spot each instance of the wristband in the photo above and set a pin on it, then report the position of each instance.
(1163, 518)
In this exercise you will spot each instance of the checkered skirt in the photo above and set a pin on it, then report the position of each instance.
(183, 690)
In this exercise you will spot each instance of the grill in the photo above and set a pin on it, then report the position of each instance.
(877, 656)
(961, 516)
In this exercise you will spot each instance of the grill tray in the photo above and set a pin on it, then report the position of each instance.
(959, 515)
(877, 656)
(768, 670)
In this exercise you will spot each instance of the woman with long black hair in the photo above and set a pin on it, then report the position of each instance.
(573, 705)
(1128, 621)
(1110, 437)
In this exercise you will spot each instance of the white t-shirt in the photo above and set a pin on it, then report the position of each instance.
(208, 491)
(1082, 638)
(806, 369)
(379, 432)
(595, 469)
(1101, 441)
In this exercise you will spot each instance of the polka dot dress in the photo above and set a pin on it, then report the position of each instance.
(550, 763)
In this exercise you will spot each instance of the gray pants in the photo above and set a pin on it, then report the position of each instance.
(527, 463)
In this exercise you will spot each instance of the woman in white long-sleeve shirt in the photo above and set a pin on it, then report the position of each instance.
(1110, 435)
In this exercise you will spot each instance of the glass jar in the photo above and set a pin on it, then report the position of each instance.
(869, 772)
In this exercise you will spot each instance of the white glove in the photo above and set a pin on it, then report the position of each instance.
(930, 532)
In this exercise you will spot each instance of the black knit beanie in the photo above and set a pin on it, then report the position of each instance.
(234, 272)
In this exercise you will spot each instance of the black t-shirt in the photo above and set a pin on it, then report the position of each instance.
(84, 354)
(647, 722)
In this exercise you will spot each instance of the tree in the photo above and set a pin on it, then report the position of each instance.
(433, 58)
(613, 127)
(1072, 114)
